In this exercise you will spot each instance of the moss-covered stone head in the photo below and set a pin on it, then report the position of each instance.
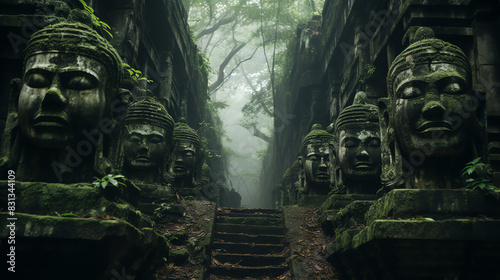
(315, 152)
(358, 143)
(186, 151)
(430, 88)
(147, 138)
(71, 75)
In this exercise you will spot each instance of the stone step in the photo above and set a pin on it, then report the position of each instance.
(237, 214)
(250, 260)
(249, 238)
(251, 229)
(248, 271)
(250, 220)
(254, 211)
(246, 248)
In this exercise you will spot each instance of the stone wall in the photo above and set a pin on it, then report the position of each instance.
(351, 50)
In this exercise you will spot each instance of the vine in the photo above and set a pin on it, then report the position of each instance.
(104, 26)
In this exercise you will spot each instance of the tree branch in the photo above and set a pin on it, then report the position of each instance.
(220, 77)
(237, 65)
(261, 103)
(223, 21)
(258, 133)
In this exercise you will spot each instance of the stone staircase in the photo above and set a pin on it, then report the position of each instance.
(248, 243)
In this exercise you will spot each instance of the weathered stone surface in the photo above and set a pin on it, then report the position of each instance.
(421, 234)
(312, 200)
(81, 247)
(437, 204)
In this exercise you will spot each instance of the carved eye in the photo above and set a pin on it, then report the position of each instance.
(410, 92)
(134, 138)
(155, 139)
(189, 154)
(350, 144)
(374, 143)
(81, 82)
(313, 158)
(38, 80)
(453, 88)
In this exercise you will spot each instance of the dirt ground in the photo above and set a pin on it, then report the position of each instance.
(307, 245)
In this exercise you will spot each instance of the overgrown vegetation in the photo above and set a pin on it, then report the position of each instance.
(474, 182)
(108, 179)
(99, 23)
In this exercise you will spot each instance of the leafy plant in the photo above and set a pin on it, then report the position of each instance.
(162, 210)
(106, 180)
(96, 20)
(483, 184)
(136, 74)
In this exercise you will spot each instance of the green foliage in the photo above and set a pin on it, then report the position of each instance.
(104, 26)
(163, 210)
(136, 74)
(106, 180)
(482, 184)
(369, 69)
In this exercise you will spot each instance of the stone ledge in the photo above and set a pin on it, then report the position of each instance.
(81, 248)
(436, 204)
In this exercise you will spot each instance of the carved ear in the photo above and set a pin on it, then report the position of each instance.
(15, 90)
(386, 138)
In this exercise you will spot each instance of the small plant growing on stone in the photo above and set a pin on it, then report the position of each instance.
(136, 74)
(106, 180)
(162, 210)
(481, 183)
(96, 20)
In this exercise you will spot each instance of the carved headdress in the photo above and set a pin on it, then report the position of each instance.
(426, 49)
(359, 114)
(75, 36)
(183, 132)
(317, 135)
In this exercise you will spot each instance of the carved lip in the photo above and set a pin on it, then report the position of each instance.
(142, 159)
(322, 175)
(179, 168)
(51, 121)
(363, 165)
(434, 126)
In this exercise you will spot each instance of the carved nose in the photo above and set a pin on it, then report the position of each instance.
(433, 110)
(54, 99)
(363, 155)
(322, 165)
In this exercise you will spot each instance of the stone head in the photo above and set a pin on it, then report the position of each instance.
(358, 143)
(358, 134)
(428, 83)
(71, 74)
(147, 136)
(428, 114)
(315, 152)
(186, 154)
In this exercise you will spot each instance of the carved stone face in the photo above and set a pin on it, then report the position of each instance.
(359, 153)
(429, 110)
(62, 94)
(317, 163)
(144, 146)
(185, 159)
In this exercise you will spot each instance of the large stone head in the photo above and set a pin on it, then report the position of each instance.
(147, 136)
(429, 112)
(186, 154)
(358, 143)
(71, 74)
(315, 153)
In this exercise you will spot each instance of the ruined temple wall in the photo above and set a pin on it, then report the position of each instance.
(357, 41)
(150, 36)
